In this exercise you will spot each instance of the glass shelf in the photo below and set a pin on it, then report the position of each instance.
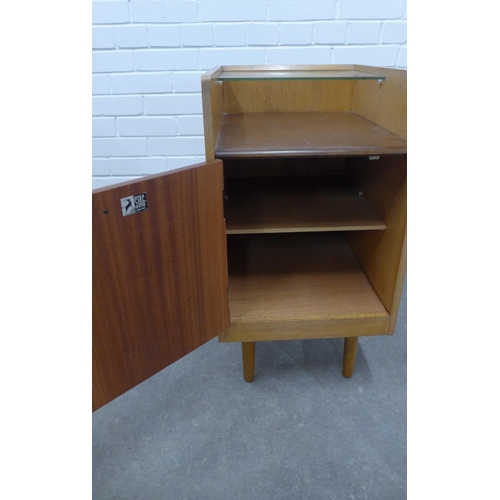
(299, 75)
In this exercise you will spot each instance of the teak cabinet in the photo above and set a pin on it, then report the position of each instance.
(294, 228)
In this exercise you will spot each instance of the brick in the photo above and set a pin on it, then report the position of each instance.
(124, 166)
(229, 10)
(196, 35)
(102, 38)
(187, 82)
(299, 55)
(394, 32)
(112, 180)
(141, 83)
(184, 161)
(170, 59)
(177, 146)
(402, 57)
(210, 58)
(230, 35)
(146, 126)
(361, 32)
(263, 34)
(296, 34)
(301, 10)
(131, 36)
(109, 61)
(116, 105)
(100, 166)
(330, 32)
(99, 182)
(100, 84)
(174, 104)
(110, 12)
(368, 9)
(164, 12)
(103, 127)
(164, 36)
(148, 166)
(373, 56)
(114, 146)
(190, 125)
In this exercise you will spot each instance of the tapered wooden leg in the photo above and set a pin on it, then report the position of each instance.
(350, 347)
(248, 351)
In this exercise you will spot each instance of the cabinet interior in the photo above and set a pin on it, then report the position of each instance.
(291, 257)
(314, 197)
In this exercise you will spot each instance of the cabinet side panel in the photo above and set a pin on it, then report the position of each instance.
(382, 103)
(398, 291)
(159, 276)
(212, 100)
(382, 254)
(269, 96)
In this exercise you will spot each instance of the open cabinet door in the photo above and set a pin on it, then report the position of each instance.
(159, 274)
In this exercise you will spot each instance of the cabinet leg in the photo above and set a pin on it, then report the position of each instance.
(248, 352)
(350, 347)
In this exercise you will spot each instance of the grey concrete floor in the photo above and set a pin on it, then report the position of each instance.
(301, 430)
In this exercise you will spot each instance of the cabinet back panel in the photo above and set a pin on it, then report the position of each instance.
(268, 96)
(274, 167)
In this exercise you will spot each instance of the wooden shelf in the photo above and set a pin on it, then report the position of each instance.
(257, 205)
(303, 134)
(297, 277)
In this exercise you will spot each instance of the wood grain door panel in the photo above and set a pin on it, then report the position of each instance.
(159, 276)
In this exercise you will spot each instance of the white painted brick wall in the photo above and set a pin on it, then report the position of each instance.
(148, 58)
(296, 34)
(230, 35)
(117, 105)
(146, 126)
(165, 36)
(263, 34)
(301, 10)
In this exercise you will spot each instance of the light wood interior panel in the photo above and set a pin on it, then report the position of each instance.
(295, 204)
(382, 103)
(297, 277)
(213, 110)
(382, 254)
(270, 96)
(308, 329)
(159, 276)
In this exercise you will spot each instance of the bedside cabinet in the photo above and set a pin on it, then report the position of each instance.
(295, 228)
